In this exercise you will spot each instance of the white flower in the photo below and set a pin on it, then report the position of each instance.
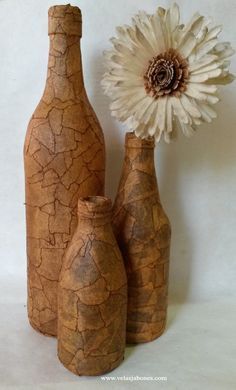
(162, 73)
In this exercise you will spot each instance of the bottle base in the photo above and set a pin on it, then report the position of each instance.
(91, 371)
(43, 331)
(143, 337)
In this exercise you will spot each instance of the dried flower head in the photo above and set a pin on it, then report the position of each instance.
(162, 74)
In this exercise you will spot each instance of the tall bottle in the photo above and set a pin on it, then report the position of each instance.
(143, 233)
(64, 156)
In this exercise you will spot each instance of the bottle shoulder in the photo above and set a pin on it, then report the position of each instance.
(63, 127)
(67, 113)
(92, 262)
(140, 219)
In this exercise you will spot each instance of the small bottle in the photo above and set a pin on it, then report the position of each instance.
(92, 294)
(143, 233)
(64, 156)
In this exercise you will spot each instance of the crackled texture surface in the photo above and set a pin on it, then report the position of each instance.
(92, 295)
(64, 158)
(143, 233)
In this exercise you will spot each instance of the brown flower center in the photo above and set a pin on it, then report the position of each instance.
(167, 74)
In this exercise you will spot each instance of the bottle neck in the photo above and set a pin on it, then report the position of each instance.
(140, 159)
(139, 174)
(88, 223)
(94, 211)
(65, 75)
(139, 153)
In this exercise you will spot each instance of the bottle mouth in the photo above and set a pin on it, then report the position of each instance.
(94, 206)
(60, 11)
(65, 19)
(134, 142)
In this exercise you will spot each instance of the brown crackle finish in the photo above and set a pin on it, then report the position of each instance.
(143, 233)
(92, 294)
(64, 158)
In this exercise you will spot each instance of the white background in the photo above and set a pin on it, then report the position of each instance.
(197, 180)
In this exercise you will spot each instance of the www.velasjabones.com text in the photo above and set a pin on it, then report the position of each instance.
(134, 378)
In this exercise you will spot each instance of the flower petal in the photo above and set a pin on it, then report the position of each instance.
(162, 113)
(194, 93)
(213, 33)
(127, 101)
(160, 33)
(205, 47)
(143, 22)
(150, 111)
(195, 24)
(204, 87)
(204, 61)
(187, 45)
(198, 121)
(187, 130)
(167, 137)
(201, 77)
(190, 107)
(207, 68)
(141, 131)
(144, 42)
(158, 135)
(208, 111)
(224, 80)
(146, 103)
(172, 17)
(179, 110)
(169, 116)
(223, 50)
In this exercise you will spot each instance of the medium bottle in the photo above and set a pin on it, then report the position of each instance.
(143, 233)
(64, 158)
(92, 294)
